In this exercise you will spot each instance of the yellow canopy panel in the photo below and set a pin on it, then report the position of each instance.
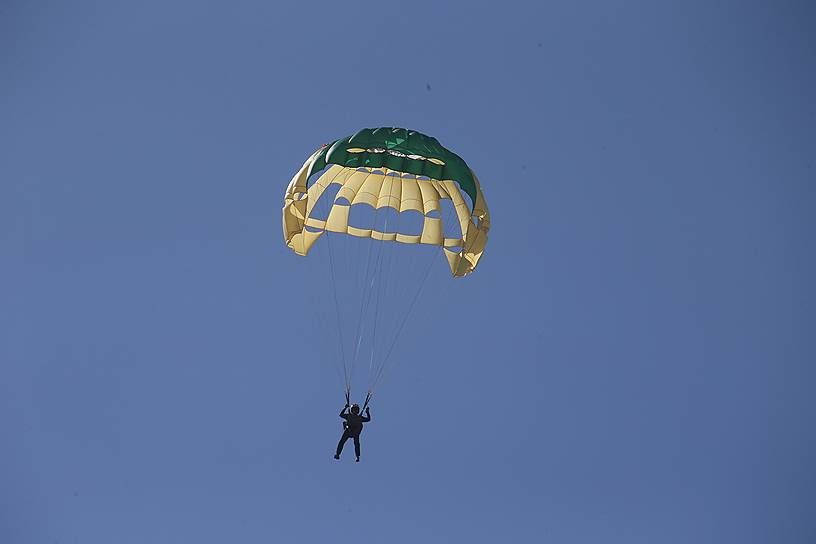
(384, 188)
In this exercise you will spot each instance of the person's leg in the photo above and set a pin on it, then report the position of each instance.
(341, 444)
(357, 446)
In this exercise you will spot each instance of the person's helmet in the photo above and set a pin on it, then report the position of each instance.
(355, 408)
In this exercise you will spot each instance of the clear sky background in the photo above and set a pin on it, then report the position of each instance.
(632, 362)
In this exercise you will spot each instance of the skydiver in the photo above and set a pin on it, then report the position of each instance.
(353, 426)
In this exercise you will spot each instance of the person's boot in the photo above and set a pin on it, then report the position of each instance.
(336, 456)
(357, 460)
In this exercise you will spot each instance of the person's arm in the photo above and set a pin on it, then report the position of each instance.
(367, 417)
(343, 411)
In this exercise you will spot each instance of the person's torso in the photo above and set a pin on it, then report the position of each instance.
(355, 422)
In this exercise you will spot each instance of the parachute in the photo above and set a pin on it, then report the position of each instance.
(383, 170)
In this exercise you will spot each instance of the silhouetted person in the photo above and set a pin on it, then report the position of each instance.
(353, 427)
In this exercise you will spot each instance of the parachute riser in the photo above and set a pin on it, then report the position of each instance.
(368, 397)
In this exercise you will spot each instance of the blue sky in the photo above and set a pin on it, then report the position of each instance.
(632, 362)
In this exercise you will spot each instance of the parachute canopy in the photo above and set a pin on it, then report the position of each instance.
(389, 168)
